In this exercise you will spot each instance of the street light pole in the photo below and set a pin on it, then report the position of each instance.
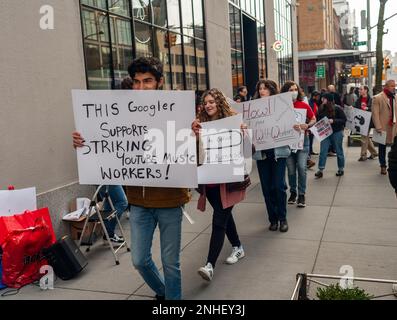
(369, 45)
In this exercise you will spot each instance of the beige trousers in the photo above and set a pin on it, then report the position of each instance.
(367, 145)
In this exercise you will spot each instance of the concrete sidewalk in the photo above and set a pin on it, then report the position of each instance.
(348, 221)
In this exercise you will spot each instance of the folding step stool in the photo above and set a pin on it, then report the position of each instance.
(98, 216)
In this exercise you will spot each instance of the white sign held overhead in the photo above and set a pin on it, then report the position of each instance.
(136, 138)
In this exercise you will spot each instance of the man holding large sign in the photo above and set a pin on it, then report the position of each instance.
(150, 206)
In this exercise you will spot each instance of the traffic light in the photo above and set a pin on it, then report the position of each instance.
(360, 71)
(386, 63)
(170, 39)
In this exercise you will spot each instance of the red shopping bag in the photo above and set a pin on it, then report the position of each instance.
(27, 235)
(23, 221)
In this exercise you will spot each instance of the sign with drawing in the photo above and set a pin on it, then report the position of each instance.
(301, 119)
(222, 151)
(361, 121)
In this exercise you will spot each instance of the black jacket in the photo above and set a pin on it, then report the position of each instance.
(339, 119)
(393, 165)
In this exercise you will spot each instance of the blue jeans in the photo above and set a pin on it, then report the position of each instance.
(382, 156)
(274, 187)
(337, 141)
(120, 204)
(298, 161)
(143, 223)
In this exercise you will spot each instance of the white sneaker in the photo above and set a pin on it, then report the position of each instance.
(206, 272)
(237, 254)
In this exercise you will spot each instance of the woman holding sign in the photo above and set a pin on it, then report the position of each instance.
(297, 161)
(337, 119)
(272, 165)
(222, 197)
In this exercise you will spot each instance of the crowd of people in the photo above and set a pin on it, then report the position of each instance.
(163, 207)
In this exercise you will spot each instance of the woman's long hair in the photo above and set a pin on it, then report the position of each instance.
(269, 85)
(329, 109)
(224, 108)
(288, 86)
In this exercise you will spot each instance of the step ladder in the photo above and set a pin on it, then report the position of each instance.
(98, 216)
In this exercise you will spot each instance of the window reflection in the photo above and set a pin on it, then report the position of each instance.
(174, 23)
(283, 29)
(190, 64)
(141, 10)
(143, 40)
(120, 7)
(159, 9)
(111, 43)
(162, 42)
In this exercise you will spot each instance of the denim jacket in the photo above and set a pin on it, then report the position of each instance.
(281, 152)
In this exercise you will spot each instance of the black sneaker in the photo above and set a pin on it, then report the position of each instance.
(292, 198)
(273, 226)
(284, 226)
(301, 201)
(319, 175)
(340, 173)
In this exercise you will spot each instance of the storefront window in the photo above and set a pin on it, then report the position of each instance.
(283, 27)
(116, 31)
(244, 15)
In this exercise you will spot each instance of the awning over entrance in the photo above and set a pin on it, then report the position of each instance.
(327, 54)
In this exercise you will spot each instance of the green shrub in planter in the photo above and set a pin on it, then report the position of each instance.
(336, 292)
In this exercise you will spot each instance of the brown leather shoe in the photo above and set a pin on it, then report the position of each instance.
(383, 171)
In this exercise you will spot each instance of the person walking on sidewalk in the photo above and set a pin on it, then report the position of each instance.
(314, 102)
(385, 118)
(297, 161)
(364, 102)
(337, 118)
(152, 207)
(221, 198)
(272, 166)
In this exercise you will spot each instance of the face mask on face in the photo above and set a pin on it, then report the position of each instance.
(295, 95)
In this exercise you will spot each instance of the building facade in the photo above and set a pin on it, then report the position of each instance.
(202, 44)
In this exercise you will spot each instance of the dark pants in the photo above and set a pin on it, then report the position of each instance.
(274, 188)
(393, 179)
(382, 156)
(222, 223)
(311, 142)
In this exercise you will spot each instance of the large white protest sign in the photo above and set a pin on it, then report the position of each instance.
(137, 138)
(361, 122)
(349, 112)
(322, 129)
(272, 121)
(301, 119)
(222, 147)
(17, 201)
